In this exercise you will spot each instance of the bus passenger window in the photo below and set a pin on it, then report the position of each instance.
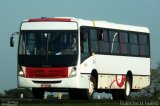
(103, 42)
(114, 43)
(124, 43)
(133, 38)
(94, 41)
(84, 42)
(144, 45)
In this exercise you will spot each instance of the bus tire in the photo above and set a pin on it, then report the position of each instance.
(128, 87)
(84, 93)
(123, 94)
(92, 87)
(88, 93)
(38, 93)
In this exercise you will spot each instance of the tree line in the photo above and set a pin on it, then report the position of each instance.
(16, 93)
(27, 94)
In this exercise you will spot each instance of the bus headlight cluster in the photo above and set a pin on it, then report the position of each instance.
(20, 72)
(73, 72)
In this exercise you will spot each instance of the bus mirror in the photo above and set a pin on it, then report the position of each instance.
(11, 41)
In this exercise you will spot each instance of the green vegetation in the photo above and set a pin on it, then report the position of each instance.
(15, 93)
(106, 103)
(158, 67)
(151, 92)
(88, 104)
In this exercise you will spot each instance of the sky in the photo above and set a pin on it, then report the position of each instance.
(12, 12)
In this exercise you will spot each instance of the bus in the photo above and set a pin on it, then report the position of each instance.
(82, 57)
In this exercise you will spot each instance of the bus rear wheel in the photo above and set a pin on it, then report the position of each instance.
(38, 93)
(123, 94)
(127, 90)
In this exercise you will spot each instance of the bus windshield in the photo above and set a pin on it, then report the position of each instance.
(47, 45)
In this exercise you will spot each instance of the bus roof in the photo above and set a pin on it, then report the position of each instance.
(92, 23)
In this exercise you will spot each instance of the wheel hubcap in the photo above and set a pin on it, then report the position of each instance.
(91, 88)
(127, 88)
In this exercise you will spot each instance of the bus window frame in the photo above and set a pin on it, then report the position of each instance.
(129, 42)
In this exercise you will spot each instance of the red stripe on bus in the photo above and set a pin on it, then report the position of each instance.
(122, 82)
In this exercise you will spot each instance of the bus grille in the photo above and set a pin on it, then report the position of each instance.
(46, 72)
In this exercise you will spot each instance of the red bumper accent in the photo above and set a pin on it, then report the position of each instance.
(46, 72)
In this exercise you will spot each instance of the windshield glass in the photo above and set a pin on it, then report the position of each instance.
(47, 45)
(50, 43)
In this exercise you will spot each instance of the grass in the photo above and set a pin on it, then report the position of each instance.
(87, 103)
(73, 104)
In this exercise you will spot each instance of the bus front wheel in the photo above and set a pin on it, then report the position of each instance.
(92, 86)
(84, 93)
(88, 93)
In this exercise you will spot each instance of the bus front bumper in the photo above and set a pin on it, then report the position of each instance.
(73, 82)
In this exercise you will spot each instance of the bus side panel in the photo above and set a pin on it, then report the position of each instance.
(109, 67)
(111, 81)
(140, 82)
(118, 82)
(86, 68)
(111, 64)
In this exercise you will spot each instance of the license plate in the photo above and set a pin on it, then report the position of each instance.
(45, 85)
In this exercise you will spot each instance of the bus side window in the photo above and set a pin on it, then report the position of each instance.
(84, 41)
(144, 45)
(94, 41)
(133, 38)
(124, 43)
(103, 42)
(114, 42)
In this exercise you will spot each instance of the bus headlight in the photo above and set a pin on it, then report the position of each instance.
(73, 72)
(20, 72)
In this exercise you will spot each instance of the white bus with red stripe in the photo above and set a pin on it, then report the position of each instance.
(82, 56)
